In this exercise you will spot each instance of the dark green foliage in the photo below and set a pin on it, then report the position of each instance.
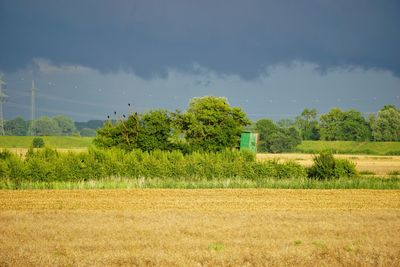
(120, 134)
(346, 126)
(155, 130)
(66, 125)
(211, 124)
(274, 139)
(45, 126)
(37, 142)
(16, 127)
(307, 123)
(386, 125)
(45, 165)
(327, 167)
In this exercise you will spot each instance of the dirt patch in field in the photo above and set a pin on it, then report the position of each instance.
(200, 227)
(378, 165)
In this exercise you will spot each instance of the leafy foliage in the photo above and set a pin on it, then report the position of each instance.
(66, 125)
(17, 126)
(386, 126)
(346, 126)
(49, 165)
(327, 167)
(37, 142)
(155, 130)
(274, 139)
(45, 126)
(307, 123)
(121, 134)
(211, 124)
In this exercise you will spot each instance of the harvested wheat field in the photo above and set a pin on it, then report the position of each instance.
(155, 227)
(378, 165)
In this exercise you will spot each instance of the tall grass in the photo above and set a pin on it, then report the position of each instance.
(273, 183)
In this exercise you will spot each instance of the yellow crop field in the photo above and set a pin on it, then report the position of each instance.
(379, 165)
(235, 227)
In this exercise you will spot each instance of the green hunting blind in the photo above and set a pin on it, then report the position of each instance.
(249, 140)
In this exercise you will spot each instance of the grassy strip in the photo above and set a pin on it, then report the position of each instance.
(51, 141)
(350, 147)
(272, 183)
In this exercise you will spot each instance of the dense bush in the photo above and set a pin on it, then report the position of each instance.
(49, 165)
(327, 167)
(274, 139)
(37, 142)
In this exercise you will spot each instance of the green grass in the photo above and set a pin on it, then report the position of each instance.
(51, 141)
(272, 183)
(350, 147)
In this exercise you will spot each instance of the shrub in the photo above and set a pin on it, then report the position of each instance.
(46, 165)
(37, 142)
(327, 167)
(345, 168)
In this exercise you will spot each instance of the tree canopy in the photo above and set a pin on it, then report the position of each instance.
(386, 125)
(45, 126)
(211, 124)
(344, 125)
(17, 126)
(275, 139)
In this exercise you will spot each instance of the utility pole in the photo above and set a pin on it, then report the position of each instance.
(32, 106)
(3, 98)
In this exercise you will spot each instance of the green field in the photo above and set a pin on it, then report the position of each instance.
(338, 147)
(51, 141)
(350, 147)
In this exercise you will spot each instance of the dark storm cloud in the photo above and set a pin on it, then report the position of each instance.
(239, 37)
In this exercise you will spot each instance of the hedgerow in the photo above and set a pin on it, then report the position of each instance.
(45, 165)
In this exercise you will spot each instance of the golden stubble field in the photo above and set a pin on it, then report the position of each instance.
(226, 227)
(378, 165)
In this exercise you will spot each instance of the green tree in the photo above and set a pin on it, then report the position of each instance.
(347, 126)
(17, 126)
(45, 126)
(122, 133)
(66, 125)
(211, 124)
(155, 130)
(275, 139)
(307, 123)
(283, 140)
(265, 128)
(386, 125)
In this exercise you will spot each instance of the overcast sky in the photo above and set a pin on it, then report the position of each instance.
(272, 58)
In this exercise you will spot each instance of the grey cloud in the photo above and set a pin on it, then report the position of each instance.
(231, 37)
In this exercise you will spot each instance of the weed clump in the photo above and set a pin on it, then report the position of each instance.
(327, 167)
(37, 142)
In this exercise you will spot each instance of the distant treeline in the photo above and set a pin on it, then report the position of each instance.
(211, 124)
(335, 125)
(51, 126)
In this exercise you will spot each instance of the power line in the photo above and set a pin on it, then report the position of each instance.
(55, 111)
(32, 107)
(3, 98)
